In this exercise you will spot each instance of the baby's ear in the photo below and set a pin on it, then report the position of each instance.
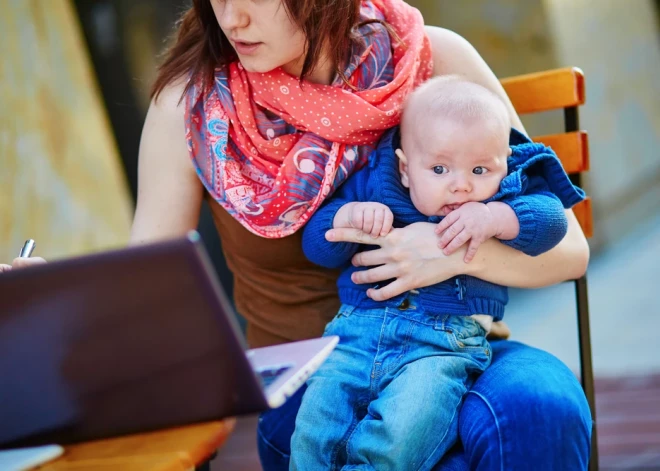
(403, 167)
(510, 152)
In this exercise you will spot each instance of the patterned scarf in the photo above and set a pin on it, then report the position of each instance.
(270, 151)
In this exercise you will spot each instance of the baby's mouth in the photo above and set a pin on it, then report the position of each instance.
(448, 208)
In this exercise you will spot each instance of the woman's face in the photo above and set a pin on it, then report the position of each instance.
(262, 34)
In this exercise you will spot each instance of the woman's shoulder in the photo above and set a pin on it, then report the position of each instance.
(170, 102)
(452, 53)
(166, 114)
(442, 34)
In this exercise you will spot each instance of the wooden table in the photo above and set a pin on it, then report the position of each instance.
(176, 449)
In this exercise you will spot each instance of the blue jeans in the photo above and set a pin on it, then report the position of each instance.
(388, 397)
(526, 411)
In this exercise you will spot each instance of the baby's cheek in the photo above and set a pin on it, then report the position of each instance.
(491, 188)
(428, 202)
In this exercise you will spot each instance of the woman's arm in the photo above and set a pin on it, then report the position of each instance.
(504, 265)
(411, 255)
(169, 191)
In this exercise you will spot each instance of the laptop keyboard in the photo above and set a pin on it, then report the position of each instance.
(269, 375)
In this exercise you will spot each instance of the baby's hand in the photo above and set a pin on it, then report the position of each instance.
(472, 222)
(371, 218)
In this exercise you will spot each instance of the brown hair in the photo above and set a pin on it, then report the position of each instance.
(201, 46)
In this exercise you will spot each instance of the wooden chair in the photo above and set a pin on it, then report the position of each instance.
(552, 90)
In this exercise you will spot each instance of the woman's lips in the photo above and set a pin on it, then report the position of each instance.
(245, 48)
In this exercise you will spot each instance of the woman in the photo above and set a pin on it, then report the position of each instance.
(254, 92)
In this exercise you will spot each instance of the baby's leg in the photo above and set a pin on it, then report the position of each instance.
(414, 421)
(331, 406)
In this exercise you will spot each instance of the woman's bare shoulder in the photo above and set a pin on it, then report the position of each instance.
(452, 53)
(170, 102)
(165, 119)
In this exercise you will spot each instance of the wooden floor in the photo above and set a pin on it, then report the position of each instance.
(628, 418)
(628, 415)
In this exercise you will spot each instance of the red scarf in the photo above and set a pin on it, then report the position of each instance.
(270, 151)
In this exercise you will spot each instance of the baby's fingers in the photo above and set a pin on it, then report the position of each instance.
(457, 242)
(388, 222)
(368, 221)
(450, 234)
(379, 220)
(447, 221)
(472, 250)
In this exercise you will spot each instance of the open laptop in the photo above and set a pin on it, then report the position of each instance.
(132, 340)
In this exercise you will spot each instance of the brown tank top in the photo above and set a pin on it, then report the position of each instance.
(282, 295)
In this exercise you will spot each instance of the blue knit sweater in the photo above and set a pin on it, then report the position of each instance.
(536, 188)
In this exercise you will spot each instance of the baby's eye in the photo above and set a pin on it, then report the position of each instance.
(439, 169)
(479, 170)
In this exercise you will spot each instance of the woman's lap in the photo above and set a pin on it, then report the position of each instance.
(526, 410)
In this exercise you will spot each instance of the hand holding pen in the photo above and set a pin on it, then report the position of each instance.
(24, 258)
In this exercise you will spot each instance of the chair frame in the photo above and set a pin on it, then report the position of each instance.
(571, 124)
(564, 89)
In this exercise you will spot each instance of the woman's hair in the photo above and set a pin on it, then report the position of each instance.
(201, 46)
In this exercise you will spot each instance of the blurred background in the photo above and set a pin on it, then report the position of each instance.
(74, 86)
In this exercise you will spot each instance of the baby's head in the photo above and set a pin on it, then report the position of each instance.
(455, 144)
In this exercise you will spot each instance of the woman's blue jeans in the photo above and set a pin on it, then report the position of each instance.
(526, 411)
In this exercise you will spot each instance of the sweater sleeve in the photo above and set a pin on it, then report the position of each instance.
(315, 246)
(541, 216)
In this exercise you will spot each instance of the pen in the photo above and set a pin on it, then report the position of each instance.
(27, 249)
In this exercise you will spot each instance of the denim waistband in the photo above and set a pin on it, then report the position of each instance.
(409, 307)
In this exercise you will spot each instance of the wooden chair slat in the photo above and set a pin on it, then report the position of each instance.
(572, 149)
(543, 91)
(584, 215)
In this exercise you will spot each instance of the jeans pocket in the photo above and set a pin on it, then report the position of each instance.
(467, 334)
(474, 346)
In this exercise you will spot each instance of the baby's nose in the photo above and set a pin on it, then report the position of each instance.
(461, 183)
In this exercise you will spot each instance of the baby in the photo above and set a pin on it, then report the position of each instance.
(388, 396)
(456, 136)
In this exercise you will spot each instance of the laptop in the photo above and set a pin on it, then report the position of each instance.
(132, 340)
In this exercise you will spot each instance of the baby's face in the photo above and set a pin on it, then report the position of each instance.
(451, 163)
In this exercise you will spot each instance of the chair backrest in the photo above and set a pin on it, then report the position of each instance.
(552, 90)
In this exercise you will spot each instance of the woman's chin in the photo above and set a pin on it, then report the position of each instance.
(256, 66)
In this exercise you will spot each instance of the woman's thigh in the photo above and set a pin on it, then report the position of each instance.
(274, 433)
(527, 411)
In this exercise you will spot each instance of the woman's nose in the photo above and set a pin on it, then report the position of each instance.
(233, 14)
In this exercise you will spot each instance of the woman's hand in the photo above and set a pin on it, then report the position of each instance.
(21, 263)
(410, 255)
